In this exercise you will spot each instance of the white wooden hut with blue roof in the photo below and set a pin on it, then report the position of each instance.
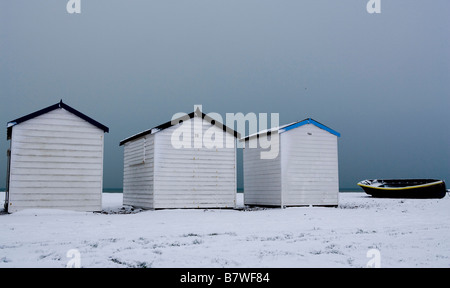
(55, 160)
(304, 171)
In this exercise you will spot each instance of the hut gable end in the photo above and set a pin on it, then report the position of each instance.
(56, 161)
(51, 108)
(158, 174)
(304, 173)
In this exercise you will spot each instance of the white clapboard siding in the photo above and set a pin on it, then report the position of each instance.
(309, 166)
(195, 177)
(161, 176)
(262, 177)
(138, 172)
(56, 162)
(304, 173)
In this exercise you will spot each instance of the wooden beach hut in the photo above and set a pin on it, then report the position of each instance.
(304, 171)
(55, 160)
(188, 162)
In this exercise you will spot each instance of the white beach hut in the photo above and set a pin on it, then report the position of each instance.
(189, 162)
(55, 160)
(304, 171)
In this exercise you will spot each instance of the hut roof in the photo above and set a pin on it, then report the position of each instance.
(51, 108)
(293, 125)
(171, 123)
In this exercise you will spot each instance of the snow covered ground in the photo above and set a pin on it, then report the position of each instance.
(404, 232)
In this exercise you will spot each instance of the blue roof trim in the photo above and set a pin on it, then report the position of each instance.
(310, 121)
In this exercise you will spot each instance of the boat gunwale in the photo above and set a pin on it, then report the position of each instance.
(401, 188)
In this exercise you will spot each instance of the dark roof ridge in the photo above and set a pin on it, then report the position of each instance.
(174, 122)
(51, 108)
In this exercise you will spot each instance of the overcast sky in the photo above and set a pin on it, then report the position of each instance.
(381, 80)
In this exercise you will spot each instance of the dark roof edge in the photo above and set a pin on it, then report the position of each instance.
(51, 108)
(85, 117)
(174, 122)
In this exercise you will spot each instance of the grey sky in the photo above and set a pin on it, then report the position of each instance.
(381, 80)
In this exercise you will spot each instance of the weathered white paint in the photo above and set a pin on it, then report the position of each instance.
(262, 177)
(304, 173)
(180, 178)
(138, 172)
(56, 162)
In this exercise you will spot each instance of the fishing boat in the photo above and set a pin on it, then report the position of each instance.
(404, 188)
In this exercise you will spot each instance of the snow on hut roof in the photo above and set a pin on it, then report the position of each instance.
(59, 105)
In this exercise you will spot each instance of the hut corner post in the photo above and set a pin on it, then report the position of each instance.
(8, 167)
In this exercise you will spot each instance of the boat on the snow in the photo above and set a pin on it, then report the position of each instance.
(404, 188)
